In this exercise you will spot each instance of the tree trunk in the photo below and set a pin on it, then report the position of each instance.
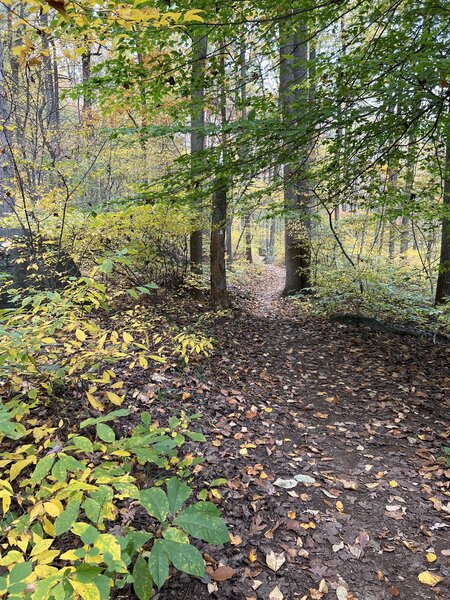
(294, 97)
(199, 53)
(248, 239)
(86, 73)
(219, 293)
(443, 282)
(6, 164)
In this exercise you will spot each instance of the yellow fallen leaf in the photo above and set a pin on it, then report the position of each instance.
(243, 452)
(236, 540)
(380, 474)
(292, 514)
(340, 506)
(430, 579)
(252, 555)
(216, 443)
(393, 483)
(309, 525)
(431, 557)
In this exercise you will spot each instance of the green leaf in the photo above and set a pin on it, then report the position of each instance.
(184, 557)
(96, 506)
(83, 443)
(201, 520)
(177, 492)
(67, 518)
(155, 502)
(142, 580)
(115, 414)
(42, 468)
(20, 572)
(105, 432)
(158, 564)
(175, 535)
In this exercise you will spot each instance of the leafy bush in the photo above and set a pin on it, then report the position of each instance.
(59, 542)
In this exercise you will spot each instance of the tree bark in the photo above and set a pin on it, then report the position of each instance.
(6, 164)
(294, 97)
(219, 292)
(443, 282)
(199, 53)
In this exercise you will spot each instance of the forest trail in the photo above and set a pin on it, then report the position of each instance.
(360, 417)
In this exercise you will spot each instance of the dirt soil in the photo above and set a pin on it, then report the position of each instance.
(362, 414)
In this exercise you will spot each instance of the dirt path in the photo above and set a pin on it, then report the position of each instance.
(362, 416)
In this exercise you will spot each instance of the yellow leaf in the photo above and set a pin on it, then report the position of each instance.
(41, 546)
(87, 591)
(47, 557)
(80, 335)
(127, 338)
(431, 557)
(114, 398)
(192, 15)
(69, 555)
(6, 500)
(19, 466)
(340, 506)
(53, 508)
(94, 402)
(252, 555)
(393, 483)
(143, 362)
(48, 527)
(430, 579)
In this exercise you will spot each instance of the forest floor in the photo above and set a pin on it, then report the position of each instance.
(359, 417)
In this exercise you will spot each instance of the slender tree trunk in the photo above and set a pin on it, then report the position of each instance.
(248, 239)
(443, 282)
(294, 98)
(229, 242)
(6, 165)
(219, 292)
(199, 53)
(86, 74)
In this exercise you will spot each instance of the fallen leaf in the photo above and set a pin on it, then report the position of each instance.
(394, 591)
(430, 579)
(341, 593)
(340, 506)
(276, 594)
(275, 561)
(287, 484)
(252, 555)
(304, 478)
(431, 557)
(393, 483)
(223, 573)
(236, 540)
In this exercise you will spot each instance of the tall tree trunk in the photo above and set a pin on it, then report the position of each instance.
(199, 53)
(443, 282)
(219, 292)
(294, 98)
(248, 239)
(86, 74)
(6, 164)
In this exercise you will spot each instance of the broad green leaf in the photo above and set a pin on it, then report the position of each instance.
(20, 572)
(177, 492)
(175, 535)
(68, 517)
(158, 564)
(201, 520)
(184, 557)
(142, 580)
(155, 502)
(83, 443)
(42, 468)
(105, 432)
(115, 414)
